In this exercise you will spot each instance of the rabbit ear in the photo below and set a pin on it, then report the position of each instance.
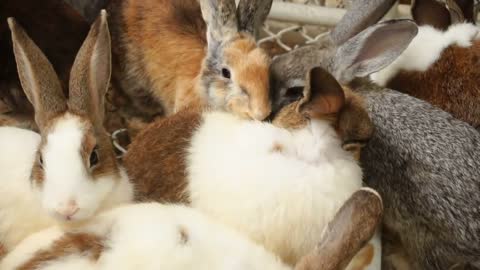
(37, 77)
(461, 11)
(351, 228)
(252, 14)
(373, 49)
(431, 12)
(219, 15)
(90, 75)
(360, 15)
(323, 95)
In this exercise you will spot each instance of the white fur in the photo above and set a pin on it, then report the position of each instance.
(148, 237)
(20, 212)
(67, 176)
(25, 208)
(426, 48)
(281, 200)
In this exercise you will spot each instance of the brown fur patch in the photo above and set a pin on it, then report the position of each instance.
(251, 67)
(163, 43)
(156, 158)
(277, 148)
(354, 126)
(184, 237)
(88, 245)
(451, 83)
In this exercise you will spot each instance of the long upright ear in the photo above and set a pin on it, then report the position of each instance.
(37, 76)
(322, 96)
(351, 228)
(221, 20)
(90, 75)
(373, 49)
(360, 15)
(252, 14)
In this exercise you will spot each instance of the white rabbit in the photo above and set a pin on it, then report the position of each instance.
(69, 172)
(153, 236)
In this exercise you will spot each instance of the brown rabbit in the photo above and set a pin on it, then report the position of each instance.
(59, 32)
(441, 64)
(199, 158)
(168, 58)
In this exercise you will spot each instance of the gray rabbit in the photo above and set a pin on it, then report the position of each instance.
(424, 163)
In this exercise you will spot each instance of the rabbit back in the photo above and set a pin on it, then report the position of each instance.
(424, 163)
(264, 180)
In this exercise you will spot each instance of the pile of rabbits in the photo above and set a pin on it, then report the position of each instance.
(242, 161)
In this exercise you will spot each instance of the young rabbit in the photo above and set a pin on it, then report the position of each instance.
(441, 65)
(59, 32)
(153, 236)
(279, 183)
(422, 160)
(167, 58)
(69, 172)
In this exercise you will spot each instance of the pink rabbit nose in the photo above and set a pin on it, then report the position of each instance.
(68, 210)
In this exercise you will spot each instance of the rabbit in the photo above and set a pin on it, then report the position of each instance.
(58, 30)
(167, 58)
(440, 65)
(155, 236)
(68, 173)
(422, 160)
(277, 182)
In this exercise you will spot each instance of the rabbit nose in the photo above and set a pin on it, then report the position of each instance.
(68, 210)
(260, 114)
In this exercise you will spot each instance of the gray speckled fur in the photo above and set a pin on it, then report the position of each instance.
(426, 166)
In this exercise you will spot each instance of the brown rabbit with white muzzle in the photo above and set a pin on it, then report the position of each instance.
(68, 173)
(167, 58)
(441, 65)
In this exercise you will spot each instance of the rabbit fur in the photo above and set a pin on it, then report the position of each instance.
(421, 159)
(174, 54)
(277, 182)
(439, 66)
(68, 172)
(155, 236)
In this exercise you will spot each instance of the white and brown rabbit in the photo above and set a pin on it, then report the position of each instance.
(441, 65)
(67, 173)
(153, 236)
(279, 183)
(167, 58)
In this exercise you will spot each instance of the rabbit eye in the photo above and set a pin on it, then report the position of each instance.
(226, 73)
(94, 157)
(294, 93)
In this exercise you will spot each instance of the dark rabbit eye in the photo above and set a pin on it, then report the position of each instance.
(226, 73)
(94, 157)
(294, 94)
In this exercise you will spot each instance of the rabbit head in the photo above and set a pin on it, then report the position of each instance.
(350, 50)
(75, 169)
(442, 14)
(235, 71)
